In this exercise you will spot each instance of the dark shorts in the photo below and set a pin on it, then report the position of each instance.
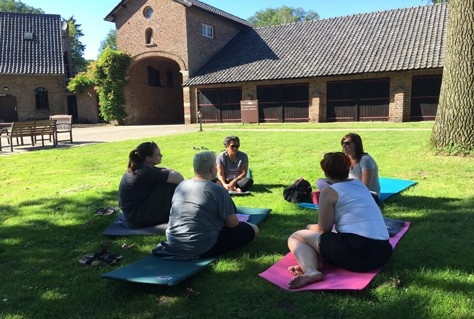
(230, 239)
(354, 252)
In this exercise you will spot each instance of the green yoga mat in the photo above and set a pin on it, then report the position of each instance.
(158, 271)
(161, 271)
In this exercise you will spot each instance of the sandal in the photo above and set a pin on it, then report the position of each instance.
(99, 212)
(110, 211)
(104, 256)
(90, 259)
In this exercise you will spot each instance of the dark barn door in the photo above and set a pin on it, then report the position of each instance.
(425, 97)
(283, 103)
(220, 105)
(361, 100)
(8, 111)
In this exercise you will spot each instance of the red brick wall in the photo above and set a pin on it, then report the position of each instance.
(400, 91)
(176, 37)
(87, 107)
(22, 88)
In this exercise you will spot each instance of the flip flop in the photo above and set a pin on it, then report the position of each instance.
(103, 256)
(110, 211)
(99, 212)
(90, 259)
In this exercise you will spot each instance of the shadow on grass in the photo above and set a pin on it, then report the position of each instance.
(40, 272)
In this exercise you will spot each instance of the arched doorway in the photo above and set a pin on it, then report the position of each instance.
(154, 93)
(8, 112)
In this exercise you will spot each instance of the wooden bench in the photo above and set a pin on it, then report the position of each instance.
(63, 125)
(30, 129)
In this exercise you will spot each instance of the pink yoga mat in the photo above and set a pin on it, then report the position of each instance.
(335, 278)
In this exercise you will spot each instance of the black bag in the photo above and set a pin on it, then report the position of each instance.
(298, 192)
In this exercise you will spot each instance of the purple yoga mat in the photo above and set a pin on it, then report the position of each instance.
(334, 278)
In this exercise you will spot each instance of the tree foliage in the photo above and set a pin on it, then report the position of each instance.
(77, 48)
(453, 129)
(109, 41)
(107, 77)
(282, 15)
(18, 6)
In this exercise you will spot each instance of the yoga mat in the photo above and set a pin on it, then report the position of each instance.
(158, 271)
(119, 226)
(335, 278)
(256, 215)
(232, 193)
(388, 188)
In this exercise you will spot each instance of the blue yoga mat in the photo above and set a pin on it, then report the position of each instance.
(158, 271)
(119, 226)
(388, 188)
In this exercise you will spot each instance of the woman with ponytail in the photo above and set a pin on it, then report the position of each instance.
(145, 190)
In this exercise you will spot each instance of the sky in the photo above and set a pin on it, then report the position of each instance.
(90, 14)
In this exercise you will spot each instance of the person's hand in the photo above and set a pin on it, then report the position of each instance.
(313, 227)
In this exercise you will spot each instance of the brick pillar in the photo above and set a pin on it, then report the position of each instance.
(317, 101)
(188, 100)
(399, 108)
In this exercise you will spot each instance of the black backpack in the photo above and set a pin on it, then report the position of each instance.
(298, 192)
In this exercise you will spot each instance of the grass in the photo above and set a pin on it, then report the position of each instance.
(48, 199)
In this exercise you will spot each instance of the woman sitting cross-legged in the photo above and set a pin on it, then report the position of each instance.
(232, 167)
(360, 241)
(145, 190)
(363, 166)
(203, 221)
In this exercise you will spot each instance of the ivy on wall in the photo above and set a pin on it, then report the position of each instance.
(107, 77)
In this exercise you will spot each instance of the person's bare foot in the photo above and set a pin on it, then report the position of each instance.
(305, 279)
(295, 270)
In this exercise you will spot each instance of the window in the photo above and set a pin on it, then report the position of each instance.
(153, 77)
(148, 12)
(41, 98)
(207, 31)
(148, 36)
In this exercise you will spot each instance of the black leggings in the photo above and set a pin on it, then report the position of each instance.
(230, 239)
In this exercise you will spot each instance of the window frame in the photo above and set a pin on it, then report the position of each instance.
(41, 98)
(207, 31)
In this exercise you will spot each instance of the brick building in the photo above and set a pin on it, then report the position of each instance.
(34, 66)
(188, 56)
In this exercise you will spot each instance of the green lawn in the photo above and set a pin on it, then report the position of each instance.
(47, 223)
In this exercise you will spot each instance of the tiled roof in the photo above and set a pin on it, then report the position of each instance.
(213, 10)
(189, 3)
(395, 40)
(43, 54)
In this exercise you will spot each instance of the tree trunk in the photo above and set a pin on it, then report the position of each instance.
(454, 123)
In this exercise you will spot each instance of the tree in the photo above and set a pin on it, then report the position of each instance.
(107, 77)
(109, 41)
(18, 6)
(453, 129)
(77, 48)
(282, 15)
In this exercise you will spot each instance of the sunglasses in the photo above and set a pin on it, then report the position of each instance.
(346, 143)
(234, 146)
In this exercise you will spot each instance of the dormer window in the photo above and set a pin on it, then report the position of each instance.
(28, 36)
(207, 31)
